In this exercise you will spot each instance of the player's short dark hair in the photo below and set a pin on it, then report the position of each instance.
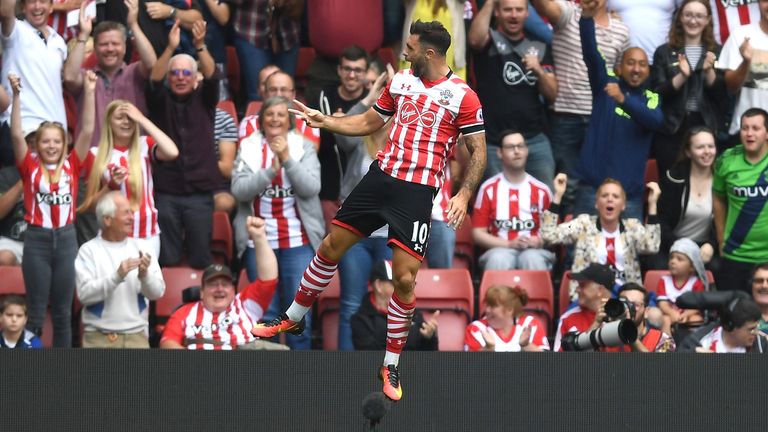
(433, 34)
(354, 53)
(632, 286)
(13, 299)
(754, 112)
(106, 26)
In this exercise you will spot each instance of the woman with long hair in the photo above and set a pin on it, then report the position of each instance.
(685, 208)
(692, 90)
(505, 327)
(49, 176)
(122, 161)
(277, 178)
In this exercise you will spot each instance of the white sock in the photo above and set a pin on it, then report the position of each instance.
(391, 358)
(296, 312)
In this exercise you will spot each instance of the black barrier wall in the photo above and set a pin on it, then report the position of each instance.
(100, 390)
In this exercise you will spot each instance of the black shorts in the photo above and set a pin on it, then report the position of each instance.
(381, 199)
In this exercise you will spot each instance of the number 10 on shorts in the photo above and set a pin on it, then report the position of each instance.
(420, 232)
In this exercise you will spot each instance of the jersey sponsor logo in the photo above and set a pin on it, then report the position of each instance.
(736, 3)
(277, 191)
(409, 113)
(751, 191)
(54, 198)
(514, 75)
(515, 224)
(445, 97)
(223, 324)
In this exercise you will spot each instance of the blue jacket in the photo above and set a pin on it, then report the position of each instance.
(26, 341)
(619, 136)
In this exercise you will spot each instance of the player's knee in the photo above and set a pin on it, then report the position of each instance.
(331, 248)
(405, 281)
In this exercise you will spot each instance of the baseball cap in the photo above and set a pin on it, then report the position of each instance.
(381, 270)
(29, 130)
(216, 270)
(599, 273)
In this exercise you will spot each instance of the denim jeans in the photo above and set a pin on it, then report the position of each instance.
(354, 271)
(253, 59)
(568, 132)
(513, 259)
(585, 203)
(540, 163)
(291, 264)
(442, 242)
(185, 220)
(49, 276)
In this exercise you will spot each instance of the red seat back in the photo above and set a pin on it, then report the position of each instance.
(328, 311)
(221, 238)
(11, 280)
(176, 280)
(337, 24)
(451, 292)
(229, 107)
(537, 283)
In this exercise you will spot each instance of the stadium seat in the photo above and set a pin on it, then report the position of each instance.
(538, 284)
(253, 108)
(651, 171)
(328, 311)
(221, 238)
(564, 295)
(336, 24)
(651, 279)
(12, 280)
(229, 106)
(450, 291)
(233, 73)
(304, 61)
(464, 254)
(176, 280)
(387, 55)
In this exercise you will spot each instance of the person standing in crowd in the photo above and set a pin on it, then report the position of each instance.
(648, 20)
(511, 65)
(399, 189)
(117, 276)
(740, 187)
(49, 176)
(692, 90)
(729, 15)
(184, 109)
(123, 161)
(277, 178)
(33, 51)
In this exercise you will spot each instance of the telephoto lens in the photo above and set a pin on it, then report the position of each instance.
(615, 333)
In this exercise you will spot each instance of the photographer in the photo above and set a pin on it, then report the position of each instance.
(594, 289)
(736, 332)
(649, 339)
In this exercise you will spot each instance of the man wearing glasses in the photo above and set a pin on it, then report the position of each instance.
(649, 339)
(353, 64)
(184, 110)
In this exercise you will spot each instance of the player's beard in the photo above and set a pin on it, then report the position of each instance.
(417, 67)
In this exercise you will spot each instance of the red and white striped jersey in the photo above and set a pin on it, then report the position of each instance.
(576, 319)
(429, 115)
(276, 204)
(250, 125)
(669, 291)
(195, 327)
(145, 216)
(509, 210)
(440, 204)
(58, 21)
(474, 340)
(726, 16)
(610, 250)
(714, 341)
(49, 205)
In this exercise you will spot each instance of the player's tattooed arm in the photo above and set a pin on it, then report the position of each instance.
(457, 206)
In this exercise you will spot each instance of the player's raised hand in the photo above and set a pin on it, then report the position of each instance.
(312, 117)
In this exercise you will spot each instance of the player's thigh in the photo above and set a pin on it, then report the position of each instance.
(361, 212)
(408, 213)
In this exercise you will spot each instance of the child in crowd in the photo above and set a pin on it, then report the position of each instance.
(686, 274)
(13, 318)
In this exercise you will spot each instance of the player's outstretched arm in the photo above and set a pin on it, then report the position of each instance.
(355, 125)
(457, 206)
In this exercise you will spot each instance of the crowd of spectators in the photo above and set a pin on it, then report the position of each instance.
(125, 153)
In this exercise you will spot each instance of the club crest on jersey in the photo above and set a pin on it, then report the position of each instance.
(54, 198)
(445, 97)
(409, 113)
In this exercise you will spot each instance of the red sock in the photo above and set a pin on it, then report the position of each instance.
(399, 316)
(316, 278)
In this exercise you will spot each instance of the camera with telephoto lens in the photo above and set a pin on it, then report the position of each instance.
(617, 308)
(615, 333)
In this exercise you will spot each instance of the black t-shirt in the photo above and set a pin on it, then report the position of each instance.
(333, 162)
(12, 225)
(510, 95)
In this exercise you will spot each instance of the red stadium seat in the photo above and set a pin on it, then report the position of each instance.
(465, 246)
(565, 298)
(176, 280)
(221, 238)
(12, 280)
(229, 107)
(388, 56)
(336, 24)
(253, 108)
(450, 291)
(233, 73)
(328, 311)
(538, 284)
(651, 171)
(652, 277)
(301, 79)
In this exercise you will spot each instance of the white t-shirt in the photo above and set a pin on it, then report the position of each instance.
(754, 92)
(39, 64)
(648, 21)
